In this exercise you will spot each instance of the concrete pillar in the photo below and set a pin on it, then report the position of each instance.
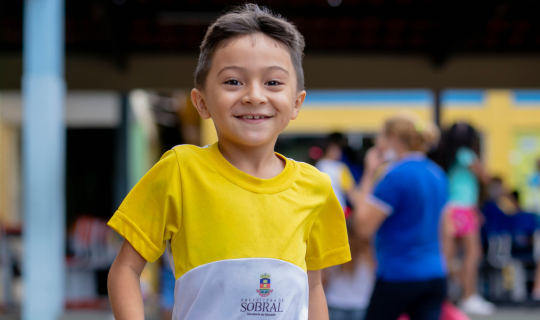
(43, 150)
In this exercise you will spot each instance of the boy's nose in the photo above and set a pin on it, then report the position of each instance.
(254, 96)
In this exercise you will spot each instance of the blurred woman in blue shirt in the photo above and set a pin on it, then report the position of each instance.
(404, 209)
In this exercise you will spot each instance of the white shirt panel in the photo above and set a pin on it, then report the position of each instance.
(232, 289)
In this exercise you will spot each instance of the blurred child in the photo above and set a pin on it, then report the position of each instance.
(534, 183)
(348, 286)
(166, 289)
(247, 230)
(331, 164)
(457, 157)
(529, 223)
(505, 201)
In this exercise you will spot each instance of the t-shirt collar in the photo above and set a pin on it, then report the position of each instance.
(413, 155)
(276, 184)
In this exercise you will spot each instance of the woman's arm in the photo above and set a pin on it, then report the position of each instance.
(124, 285)
(367, 218)
(318, 309)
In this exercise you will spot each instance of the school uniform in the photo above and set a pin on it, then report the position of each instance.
(239, 246)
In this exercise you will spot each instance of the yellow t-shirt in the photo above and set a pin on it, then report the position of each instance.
(239, 246)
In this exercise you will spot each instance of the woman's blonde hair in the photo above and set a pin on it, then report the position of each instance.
(415, 134)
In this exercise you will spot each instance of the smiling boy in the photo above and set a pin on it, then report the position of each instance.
(246, 229)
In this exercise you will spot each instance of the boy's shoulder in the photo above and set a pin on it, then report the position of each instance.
(187, 156)
(187, 151)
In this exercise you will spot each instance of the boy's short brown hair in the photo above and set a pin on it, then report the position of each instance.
(245, 20)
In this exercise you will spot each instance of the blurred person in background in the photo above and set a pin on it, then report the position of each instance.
(465, 171)
(404, 210)
(389, 154)
(331, 164)
(506, 201)
(534, 183)
(526, 227)
(348, 286)
(166, 288)
(503, 214)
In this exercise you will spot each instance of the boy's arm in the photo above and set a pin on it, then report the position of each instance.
(318, 310)
(124, 285)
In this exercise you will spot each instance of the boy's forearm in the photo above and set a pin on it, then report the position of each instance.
(318, 309)
(125, 293)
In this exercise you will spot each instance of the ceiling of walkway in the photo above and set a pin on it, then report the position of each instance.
(439, 29)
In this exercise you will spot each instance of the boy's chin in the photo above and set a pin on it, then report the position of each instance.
(254, 141)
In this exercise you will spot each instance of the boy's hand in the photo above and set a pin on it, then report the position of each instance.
(318, 309)
(124, 285)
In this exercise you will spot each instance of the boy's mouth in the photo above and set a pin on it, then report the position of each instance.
(253, 118)
(249, 117)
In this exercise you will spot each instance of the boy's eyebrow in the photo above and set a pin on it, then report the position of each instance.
(244, 69)
(231, 67)
(278, 68)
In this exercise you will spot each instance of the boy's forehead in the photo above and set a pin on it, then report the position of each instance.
(254, 39)
(252, 51)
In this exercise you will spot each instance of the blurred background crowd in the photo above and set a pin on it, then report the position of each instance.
(464, 71)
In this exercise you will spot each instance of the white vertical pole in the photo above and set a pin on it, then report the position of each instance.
(43, 160)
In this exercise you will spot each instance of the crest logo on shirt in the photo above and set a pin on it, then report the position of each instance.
(264, 290)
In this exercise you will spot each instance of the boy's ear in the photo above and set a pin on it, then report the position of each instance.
(197, 99)
(300, 97)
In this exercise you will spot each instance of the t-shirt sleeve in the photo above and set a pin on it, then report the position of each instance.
(346, 178)
(387, 194)
(151, 212)
(466, 157)
(328, 244)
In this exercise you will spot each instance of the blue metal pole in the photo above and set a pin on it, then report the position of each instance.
(43, 149)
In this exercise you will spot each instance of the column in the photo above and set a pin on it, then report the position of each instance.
(43, 160)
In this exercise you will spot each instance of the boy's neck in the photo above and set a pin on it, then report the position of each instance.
(260, 162)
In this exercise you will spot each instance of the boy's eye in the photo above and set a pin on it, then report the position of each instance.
(273, 83)
(232, 82)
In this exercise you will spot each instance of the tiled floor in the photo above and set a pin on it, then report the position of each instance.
(512, 314)
(81, 315)
(502, 314)
(94, 315)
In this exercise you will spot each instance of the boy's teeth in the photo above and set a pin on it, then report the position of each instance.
(253, 117)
